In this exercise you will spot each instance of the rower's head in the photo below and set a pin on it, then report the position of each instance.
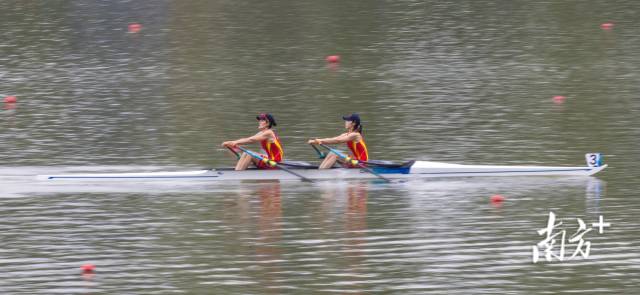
(266, 120)
(352, 122)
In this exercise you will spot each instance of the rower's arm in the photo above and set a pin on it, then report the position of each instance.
(256, 138)
(346, 137)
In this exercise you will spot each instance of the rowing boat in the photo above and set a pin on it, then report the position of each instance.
(412, 169)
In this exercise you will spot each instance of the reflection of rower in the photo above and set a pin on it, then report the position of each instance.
(352, 198)
(356, 219)
(268, 250)
(354, 140)
(269, 141)
(270, 216)
(270, 205)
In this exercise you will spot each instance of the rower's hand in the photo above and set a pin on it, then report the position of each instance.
(314, 141)
(229, 144)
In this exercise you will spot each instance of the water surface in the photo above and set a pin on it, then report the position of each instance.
(466, 82)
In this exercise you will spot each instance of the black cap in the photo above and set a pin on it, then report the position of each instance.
(267, 117)
(353, 118)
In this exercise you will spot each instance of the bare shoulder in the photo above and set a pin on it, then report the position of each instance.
(353, 136)
(269, 134)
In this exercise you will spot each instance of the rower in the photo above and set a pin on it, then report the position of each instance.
(267, 138)
(354, 140)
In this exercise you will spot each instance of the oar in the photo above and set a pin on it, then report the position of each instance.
(321, 155)
(234, 152)
(355, 162)
(272, 163)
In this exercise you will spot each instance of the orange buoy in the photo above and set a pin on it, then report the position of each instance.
(88, 268)
(10, 99)
(333, 58)
(497, 199)
(135, 28)
(559, 99)
(607, 26)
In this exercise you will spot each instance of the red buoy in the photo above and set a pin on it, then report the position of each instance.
(88, 268)
(607, 26)
(333, 58)
(559, 99)
(135, 28)
(497, 199)
(10, 99)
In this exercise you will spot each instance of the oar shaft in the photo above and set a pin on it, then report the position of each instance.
(394, 165)
(234, 152)
(357, 163)
(321, 155)
(257, 156)
(272, 163)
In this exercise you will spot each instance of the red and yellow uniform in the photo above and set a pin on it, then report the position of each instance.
(358, 151)
(274, 150)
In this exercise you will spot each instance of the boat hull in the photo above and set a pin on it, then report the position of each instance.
(438, 169)
(420, 169)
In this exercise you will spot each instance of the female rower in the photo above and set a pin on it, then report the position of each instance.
(353, 138)
(268, 139)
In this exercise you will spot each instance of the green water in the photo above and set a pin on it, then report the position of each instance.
(454, 81)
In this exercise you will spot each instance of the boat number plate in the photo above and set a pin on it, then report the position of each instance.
(594, 159)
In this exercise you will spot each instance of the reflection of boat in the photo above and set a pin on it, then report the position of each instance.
(412, 169)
